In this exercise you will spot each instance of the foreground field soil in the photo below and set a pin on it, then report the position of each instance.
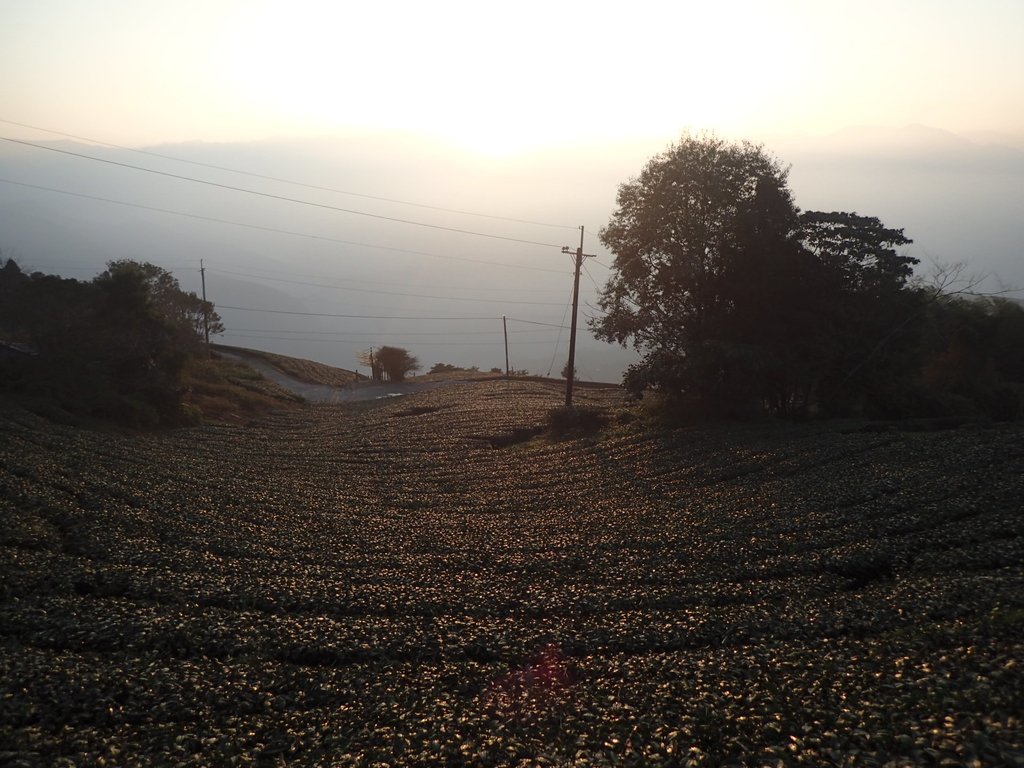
(414, 582)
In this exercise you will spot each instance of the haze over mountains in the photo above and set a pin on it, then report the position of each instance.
(444, 292)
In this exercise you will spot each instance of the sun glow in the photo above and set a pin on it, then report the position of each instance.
(500, 78)
(489, 83)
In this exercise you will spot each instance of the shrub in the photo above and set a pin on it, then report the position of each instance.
(567, 420)
(443, 368)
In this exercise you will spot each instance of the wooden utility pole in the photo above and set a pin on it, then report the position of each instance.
(206, 308)
(571, 365)
(504, 325)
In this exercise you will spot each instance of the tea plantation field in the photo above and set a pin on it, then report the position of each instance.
(414, 582)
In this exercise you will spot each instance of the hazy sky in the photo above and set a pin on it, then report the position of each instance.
(502, 77)
(530, 110)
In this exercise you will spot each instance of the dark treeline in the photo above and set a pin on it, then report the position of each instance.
(741, 304)
(112, 348)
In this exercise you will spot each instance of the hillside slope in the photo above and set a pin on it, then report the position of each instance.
(376, 584)
(308, 371)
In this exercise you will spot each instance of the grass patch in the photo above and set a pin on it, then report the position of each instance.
(304, 370)
(222, 390)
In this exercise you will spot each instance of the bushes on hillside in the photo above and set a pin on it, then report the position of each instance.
(113, 348)
(575, 420)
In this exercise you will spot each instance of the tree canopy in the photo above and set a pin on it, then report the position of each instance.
(113, 347)
(192, 316)
(672, 234)
(702, 239)
(389, 363)
(740, 303)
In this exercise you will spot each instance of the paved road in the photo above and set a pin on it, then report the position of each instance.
(321, 393)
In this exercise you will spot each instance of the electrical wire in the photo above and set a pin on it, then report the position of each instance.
(272, 273)
(587, 273)
(286, 181)
(561, 326)
(284, 198)
(384, 293)
(279, 231)
(358, 317)
(365, 342)
(533, 322)
(387, 317)
(375, 333)
(558, 341)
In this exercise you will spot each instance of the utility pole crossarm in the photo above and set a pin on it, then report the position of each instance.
(571, 365)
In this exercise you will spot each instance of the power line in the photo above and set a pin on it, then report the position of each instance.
(385, 293)
(366, 342)
(274, 272)
(376, 333)
(587, 273)
(386, 317)
(358, 317)
(40, 267)
(535, 322)
(558, 341)
(287, 181)
(272, 196)
(278, 231)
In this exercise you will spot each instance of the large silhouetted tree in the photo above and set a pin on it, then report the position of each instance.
(703, 225)
(737, 302)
